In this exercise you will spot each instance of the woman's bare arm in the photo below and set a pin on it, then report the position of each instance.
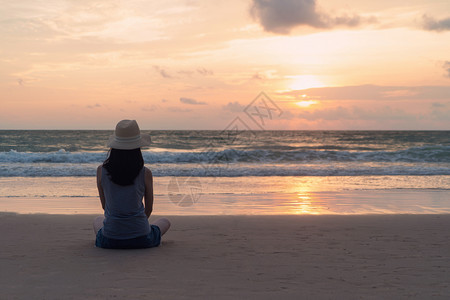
(99, 186)
(148, 196)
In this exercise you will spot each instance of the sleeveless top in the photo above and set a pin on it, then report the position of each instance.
(124, 211)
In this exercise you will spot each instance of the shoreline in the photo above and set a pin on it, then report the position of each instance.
(303, 202)
(240, 196)
(226, 257)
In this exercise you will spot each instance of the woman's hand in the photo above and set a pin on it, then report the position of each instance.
(99, 186)
(148, 196)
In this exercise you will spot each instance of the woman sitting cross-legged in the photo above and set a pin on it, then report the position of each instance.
(123, 182)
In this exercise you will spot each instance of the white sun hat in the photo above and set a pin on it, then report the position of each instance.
(128, 136)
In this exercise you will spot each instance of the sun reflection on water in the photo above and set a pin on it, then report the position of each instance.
(305, 201)
(304, 204)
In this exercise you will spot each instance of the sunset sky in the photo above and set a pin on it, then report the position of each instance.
(326, 64)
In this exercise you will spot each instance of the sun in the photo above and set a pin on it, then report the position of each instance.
(303, 82)
(305, 103)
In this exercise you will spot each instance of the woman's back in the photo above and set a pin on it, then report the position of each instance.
(124, 211)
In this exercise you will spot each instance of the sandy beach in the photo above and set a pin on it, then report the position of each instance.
(231, 257)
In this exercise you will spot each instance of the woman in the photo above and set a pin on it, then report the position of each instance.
(123, 182)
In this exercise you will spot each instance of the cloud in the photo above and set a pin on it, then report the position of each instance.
(258, 76)
(357, 113)
(178, 109)
(440, 111)
(287, 115)
(234, 107)
(182, 73)
(431, 24)
(191, 101)
(96, 105)
(446, 66)
(263, 75)
(162, 72)
(152, 107)
(205, 72)
(281, 16)
(47, 21)
(375, 92)
(438, 105)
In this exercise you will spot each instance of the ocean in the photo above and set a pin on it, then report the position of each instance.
(237, 165)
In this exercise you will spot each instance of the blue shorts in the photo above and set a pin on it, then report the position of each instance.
(153, 239)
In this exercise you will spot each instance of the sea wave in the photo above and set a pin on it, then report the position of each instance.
(234, 169)
(424, 154)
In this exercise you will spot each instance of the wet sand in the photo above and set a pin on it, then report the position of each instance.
(229, 257)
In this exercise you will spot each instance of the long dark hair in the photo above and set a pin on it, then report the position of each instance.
(123, 166)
